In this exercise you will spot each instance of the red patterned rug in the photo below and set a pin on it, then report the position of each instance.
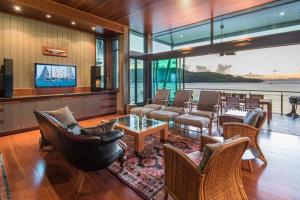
(4, 189)
(145, 173)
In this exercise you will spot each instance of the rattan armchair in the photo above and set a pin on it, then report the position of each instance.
(220, 179)
(233, 128)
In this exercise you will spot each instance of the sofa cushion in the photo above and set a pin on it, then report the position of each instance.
(63, 115)
(153, 106)
(141, 111)
(251, 118)
(174, 109)
(99, 130)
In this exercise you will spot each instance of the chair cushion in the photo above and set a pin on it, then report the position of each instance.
(192, 120)
(63, 115)
(181, 97)
(202, 113)
(196, 157)
(141, 110)
(251, 118)
(174, 109)
(208, 151)
(153, 106)
(210, 148)
(99, 130)
(164, 115)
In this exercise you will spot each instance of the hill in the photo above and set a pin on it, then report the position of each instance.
(197, 77)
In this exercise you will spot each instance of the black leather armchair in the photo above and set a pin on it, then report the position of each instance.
(87, 153)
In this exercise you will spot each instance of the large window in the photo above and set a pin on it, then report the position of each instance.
(270, 71)
(136, 42)
(115, 64)
(100, 59)
(136, 81)
(167, 74)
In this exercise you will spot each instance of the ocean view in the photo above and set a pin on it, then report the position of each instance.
(288, 88)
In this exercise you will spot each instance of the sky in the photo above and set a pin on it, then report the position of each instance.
(273, 62)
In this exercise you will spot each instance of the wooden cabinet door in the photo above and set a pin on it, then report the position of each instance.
(12, 116)
(91, 105)
(51, 104)
(28, 119)
(75, 105)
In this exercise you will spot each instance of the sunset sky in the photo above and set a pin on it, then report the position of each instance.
(276, 62)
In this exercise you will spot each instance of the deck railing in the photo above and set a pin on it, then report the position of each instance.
(280, 99)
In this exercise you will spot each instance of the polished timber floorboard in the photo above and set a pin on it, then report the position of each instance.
(34, 174)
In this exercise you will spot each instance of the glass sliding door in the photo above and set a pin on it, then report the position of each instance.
(167, 74)
(136, 80)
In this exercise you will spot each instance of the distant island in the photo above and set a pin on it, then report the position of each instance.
(198, 77)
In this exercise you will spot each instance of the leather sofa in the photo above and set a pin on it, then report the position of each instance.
(87, 153)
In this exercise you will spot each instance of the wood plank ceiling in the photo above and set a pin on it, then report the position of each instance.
(153, 16)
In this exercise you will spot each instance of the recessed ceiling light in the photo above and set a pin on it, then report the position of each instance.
(282, 13)
(17, 8)
(93, 28)
(73, 23)
(48, 16)
(181, 36)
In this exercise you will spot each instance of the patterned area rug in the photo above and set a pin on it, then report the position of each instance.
(145, 173)
(4, 188)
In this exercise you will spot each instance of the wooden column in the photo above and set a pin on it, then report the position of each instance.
(123, 97)
(148, 66)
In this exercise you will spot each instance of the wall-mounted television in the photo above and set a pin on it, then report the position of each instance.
(55, 75)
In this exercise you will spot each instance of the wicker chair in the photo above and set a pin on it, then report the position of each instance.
(234, 126)
(161, 97)
(220, 178)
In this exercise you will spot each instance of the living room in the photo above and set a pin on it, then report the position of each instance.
(149, 99)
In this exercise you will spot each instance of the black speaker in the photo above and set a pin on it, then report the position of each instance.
(96, 78)
(6, 79)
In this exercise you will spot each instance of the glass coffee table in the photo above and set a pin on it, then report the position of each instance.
(140, 127)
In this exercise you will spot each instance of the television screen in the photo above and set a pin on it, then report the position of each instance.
(52, 75)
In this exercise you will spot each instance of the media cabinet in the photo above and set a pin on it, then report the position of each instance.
(16, 114)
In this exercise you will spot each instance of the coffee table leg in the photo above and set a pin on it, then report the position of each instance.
(164, 134)
(138, 144)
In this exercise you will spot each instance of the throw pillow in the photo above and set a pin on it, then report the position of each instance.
(63, 115)
(251, 118)
(99, 130)
(208, 151)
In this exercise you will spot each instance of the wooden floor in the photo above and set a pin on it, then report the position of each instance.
(34, 174)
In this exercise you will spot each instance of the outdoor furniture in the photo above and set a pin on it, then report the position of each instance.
(207, 106)
(161, 97)
(233, 125)
(139, 127)
(251, 104)
(239, 95)
(262, 102)
(181, 102)
(256, 96)
(219, 179)
(294, 101)
(232, 103)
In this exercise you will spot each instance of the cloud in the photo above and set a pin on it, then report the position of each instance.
(224, 69)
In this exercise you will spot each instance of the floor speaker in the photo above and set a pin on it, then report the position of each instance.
(7, 79)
